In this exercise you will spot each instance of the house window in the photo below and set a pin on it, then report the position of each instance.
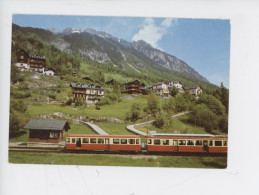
(53, 135)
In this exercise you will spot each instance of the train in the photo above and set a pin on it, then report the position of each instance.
(166, 143)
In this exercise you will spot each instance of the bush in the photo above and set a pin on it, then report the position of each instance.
(69, 102)
(163, 121)
(202, 116)
(223, 123)
(20, 94)
(17, 105)
(212, 103)
(79, 102)
(135, 112)
(97, 107)
(16, 122)
(153, 104)
(53, 96)
(104, 101)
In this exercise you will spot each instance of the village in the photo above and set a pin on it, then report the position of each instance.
(89, 95)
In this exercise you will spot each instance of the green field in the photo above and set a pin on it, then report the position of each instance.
(178, 125)
(118, 160)
(114, 128)
(118, 110)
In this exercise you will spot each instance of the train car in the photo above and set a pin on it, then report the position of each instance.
(187, 143)
(103, 142)
(218, 144)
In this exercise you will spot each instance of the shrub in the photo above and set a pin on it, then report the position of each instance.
(97, 107)
(213, 104)
(135, 113)
(79, 102)
(202, 116)
(104, 101)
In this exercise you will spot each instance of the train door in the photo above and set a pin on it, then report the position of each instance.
(78, 142)
(205, 146)
(107, 142)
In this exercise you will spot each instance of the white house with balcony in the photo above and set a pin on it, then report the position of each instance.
(160, 88)
(194, 90)
(176, 84)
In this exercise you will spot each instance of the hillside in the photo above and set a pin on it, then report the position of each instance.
(91, 51)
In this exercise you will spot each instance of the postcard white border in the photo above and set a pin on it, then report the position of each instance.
(241, 176)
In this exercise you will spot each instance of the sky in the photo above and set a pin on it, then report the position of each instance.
(204, 44)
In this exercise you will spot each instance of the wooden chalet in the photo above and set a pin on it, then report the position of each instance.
(133, 87)
(47, 131)
(30, 62)
(111, 82)
(89, 94)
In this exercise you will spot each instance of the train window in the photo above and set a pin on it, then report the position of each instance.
(156, 141)
(137, 141)
(93, 140)
(211, 143)
(132, 141)
(149, 141)
(224, 143)
(86, 140)
(198, 143)
(175, 143)
(218, 143)
(182, 142)
(68, 140)
(116, 141)
(123, 141)
(100, 141)
(166, 142)
(73, 140)
(190, 142)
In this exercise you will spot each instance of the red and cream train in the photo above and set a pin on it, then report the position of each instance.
(195, 143)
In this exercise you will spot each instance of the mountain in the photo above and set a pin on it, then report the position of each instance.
(166, 60)
(89, 51)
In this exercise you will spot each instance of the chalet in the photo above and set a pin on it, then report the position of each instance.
(47, 131)
(49, 72)
(195, 90)
(176, 84)
(160, 88)
(88, 79)
(133, 87)
(111, 82)
(37, 63)
(28, 62)
(22, 60)
(89, 94)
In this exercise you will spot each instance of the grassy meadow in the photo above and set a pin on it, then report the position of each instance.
(118, 160)
(118, 110)
(178, 125)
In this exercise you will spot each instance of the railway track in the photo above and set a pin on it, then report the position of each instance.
(112, 153)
